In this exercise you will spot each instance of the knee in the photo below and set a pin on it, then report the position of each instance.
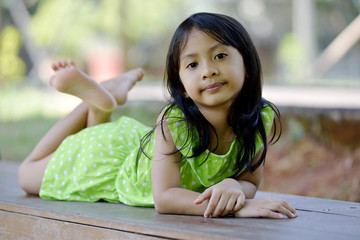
(22, 177)
(25, 179)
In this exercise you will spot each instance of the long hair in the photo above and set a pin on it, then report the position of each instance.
(244, 115)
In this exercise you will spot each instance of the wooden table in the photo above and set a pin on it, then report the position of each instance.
(25, 217)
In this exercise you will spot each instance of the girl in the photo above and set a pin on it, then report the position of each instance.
(204, 157)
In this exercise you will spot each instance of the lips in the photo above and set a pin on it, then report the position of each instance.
(213, 87)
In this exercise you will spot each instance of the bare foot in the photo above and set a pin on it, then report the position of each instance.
(120, 85)
(71, 80)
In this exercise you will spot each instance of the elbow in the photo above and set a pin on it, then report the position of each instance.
(159, 210)
(160, 206)
(164, 203)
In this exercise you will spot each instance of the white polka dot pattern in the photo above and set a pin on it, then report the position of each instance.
(104, 163)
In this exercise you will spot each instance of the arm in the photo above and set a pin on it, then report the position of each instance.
(244, 187)
(266, 207)
(228, 196)
(223, 198)
(250, 182)
(262, 207)
(168, 196)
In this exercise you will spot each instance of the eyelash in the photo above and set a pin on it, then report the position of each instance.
(223, 54)
(192, 63)
(192, 67)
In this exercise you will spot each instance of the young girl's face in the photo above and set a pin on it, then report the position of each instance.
(212, 73)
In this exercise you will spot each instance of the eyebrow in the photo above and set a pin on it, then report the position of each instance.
(210, 49)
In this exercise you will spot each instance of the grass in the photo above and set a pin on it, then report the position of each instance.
(28, 103)
(27, 114)
(18, 138)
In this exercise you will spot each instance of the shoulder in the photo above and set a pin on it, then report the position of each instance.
(172, 116)
(170, 119)
(173, 111)
(267, 115)
(170, 111)
(172, 123)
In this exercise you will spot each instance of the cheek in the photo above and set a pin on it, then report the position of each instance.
(239, 79)
(241, 75)
(182, 76)
(238, 86)
(238, 74)
(182, 85)
(185, 79)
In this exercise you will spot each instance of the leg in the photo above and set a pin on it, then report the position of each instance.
(70, 79)
(32, 170)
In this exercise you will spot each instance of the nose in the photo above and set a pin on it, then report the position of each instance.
(209, 71)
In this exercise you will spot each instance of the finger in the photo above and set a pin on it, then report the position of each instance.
(230, 206)
(269, 214)
(284, 210)
(284, 207)
(220, 209)
(290, 208)
(287, 212)
(204, 196)
(239, 202)
(214, 199)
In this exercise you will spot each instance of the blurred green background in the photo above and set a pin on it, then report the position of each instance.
(302, 43)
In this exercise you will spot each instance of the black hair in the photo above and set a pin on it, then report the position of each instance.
(244, 115)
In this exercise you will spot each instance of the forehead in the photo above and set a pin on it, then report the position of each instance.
(197, 40)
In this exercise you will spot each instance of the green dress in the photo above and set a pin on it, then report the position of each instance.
(104, 162)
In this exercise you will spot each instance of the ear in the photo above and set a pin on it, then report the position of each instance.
(186, 95)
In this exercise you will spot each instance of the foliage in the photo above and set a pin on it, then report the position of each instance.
(66, 25)
(12, 66)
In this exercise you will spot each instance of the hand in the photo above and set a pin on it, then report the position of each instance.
(266, 207)
(224, 198)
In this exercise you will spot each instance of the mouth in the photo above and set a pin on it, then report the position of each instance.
(213, 87)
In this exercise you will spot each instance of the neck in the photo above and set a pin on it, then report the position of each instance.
(216, 116)
(225, 133)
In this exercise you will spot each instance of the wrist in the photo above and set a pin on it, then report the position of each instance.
(235, 183)
(248, 188)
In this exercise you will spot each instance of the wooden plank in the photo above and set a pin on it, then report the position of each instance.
(20, 226)
(314, 221)
(326, 206)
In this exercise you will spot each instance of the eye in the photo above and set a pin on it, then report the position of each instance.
(192, 65)
(220, 56)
